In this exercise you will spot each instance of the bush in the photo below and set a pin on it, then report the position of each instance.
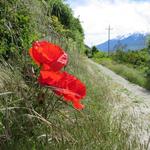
(135, 58)
(99, 55)
(129, 73)
(15, 26)
(22, 22)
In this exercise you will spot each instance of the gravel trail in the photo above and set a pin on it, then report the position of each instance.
(133, 105)
(135, 89)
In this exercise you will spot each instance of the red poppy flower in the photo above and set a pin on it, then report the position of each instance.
(50, 78)
(64, 84)
(78, 106)
(48, 55)
(72, 88)
(52, 58)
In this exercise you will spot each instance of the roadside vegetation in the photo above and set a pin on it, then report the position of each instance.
(132, 65)
(32, 117)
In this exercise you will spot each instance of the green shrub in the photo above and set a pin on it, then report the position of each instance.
(15, 26)
(129, 73)
(22, 22)
(135, 58)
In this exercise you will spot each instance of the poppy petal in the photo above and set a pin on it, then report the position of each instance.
(64, 84)
(78, 106)
(50, 78)
(31, 55)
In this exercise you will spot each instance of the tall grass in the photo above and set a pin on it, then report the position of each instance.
(131, 74)
(27, 124)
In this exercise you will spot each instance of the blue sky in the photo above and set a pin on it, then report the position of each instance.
(124, 16)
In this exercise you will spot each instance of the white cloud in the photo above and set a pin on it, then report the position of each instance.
(124, 17)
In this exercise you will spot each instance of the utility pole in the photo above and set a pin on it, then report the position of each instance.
(109, 29)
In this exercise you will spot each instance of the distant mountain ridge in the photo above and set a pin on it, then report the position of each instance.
(133, 41)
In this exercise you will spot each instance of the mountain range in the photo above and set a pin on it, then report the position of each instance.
(135, 41)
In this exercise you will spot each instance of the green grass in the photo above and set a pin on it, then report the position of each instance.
(128, 72)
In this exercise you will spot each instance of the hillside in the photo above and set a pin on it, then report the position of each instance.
(134, 41)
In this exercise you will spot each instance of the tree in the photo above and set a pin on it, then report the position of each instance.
(94, 50)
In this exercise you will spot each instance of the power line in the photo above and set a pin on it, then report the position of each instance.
(109, 29)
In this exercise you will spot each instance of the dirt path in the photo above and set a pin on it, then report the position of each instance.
(133, 105)
(133, 88)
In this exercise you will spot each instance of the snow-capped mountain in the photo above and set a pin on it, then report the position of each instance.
(135, 41)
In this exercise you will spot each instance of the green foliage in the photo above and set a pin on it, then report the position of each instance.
(119, 55)
(139, 60)
(22, 22)
(99, 54)
(58, 26)
(136, 58)
(131, 74)
(15, 28)
(132, 65)
(88, 51)
(67, 21)
(63, 21)
(62, 11)
(94, 50)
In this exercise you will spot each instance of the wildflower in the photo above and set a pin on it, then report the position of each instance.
(47, 55)
(51, 58)
(65, 85)
(49, 78)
